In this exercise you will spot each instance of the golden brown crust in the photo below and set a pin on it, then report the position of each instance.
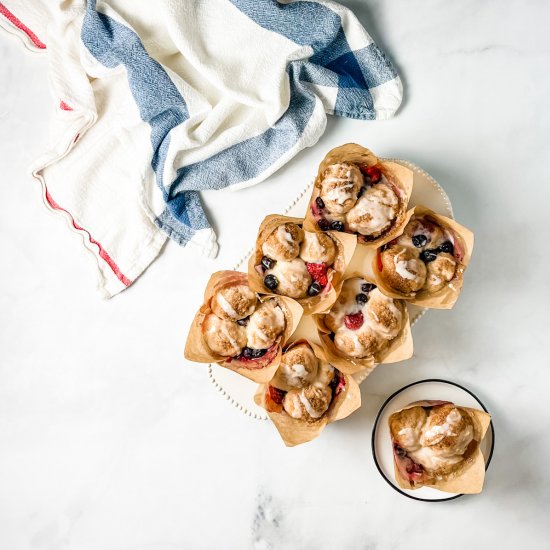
(284, 242)
(402, 269)
(234, 302)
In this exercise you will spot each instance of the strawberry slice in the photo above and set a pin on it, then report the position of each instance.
(354, 320)
(318, 273)
(274, 399)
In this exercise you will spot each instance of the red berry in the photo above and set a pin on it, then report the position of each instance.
(318, 273)
(372, 172)
(354, 320)
(379, 261)
(276, 394)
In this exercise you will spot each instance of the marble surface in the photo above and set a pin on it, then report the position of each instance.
(109, 440)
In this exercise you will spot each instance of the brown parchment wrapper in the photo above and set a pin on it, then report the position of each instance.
(345, 247)
(469, 476)
(448, 295)
(398, 349)
(400, 176)
(295, 431)
(196, 348)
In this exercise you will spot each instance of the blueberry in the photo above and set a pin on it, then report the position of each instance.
(314, 289)
(361, 191)
(247, 353)
(271, 282)
(320, 203)
(268, 263)
(367, 287)
(324, 225)
(257, 353)
(337, 226)
(361, 299)
(419, 240)
(447, 246)
(429, 255)
(243, 322)
(331, 336)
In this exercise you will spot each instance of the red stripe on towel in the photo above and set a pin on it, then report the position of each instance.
(64, 106)
(21, 26)
(102, 252)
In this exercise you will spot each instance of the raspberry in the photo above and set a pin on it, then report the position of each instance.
(354, 320)
(276, 395)
(318, 273)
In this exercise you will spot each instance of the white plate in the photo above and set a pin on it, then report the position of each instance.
(238, 390)
(418, 391)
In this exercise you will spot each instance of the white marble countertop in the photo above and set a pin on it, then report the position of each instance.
(109, 440)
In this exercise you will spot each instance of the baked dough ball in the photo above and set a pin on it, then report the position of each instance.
(284, 242)
(223, 337)
(360, 343)
(234, 302)
(375, 211)
(325, 374)
(427, 234)
(308, 403)
(298, 368)
(265, 325)
(406, 427)
(402, 269)
(440, 272)
(340, 186)
(447, 431)
(293, 277)
(384, 315)
(317, 248)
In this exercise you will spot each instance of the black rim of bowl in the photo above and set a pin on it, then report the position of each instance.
(376, 426)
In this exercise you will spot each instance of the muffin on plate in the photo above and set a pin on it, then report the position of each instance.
(437, 444)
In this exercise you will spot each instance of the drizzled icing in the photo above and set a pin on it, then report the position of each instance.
(374, 211)
(401, 267)
(226, 306)
(307, 405)
(340, 194)
(437, 432)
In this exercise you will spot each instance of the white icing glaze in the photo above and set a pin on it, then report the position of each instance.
(374, 211)
(307, 405)
(226, 306)
(436, 433)
(401, 268)
(270, 316)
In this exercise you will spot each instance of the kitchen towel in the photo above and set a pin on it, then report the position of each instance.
(160, 100)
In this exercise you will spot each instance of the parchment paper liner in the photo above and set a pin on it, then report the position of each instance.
(345, 245)
(398, 175)
(448, 295)
(399, 349)
(294, 431)
(196, 348)
(469, 477)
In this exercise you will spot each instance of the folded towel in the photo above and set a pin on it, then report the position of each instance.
(161, 100)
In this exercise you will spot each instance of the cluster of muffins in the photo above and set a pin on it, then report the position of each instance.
(303, 267)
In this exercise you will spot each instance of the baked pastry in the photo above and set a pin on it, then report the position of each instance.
(363, 325)
(435, 443)
(306, 393)
(304, 265)
(238, 330)
(426, 263)
(357, 193)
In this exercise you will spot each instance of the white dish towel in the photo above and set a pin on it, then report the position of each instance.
(159, 100)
